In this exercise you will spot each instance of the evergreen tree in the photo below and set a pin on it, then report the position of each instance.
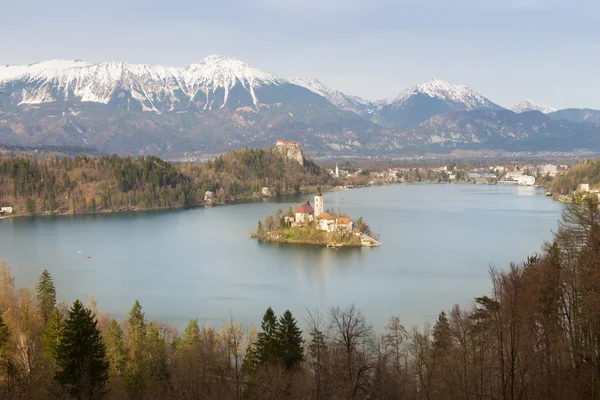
(267, 344)
(191, 335)
(157, 354)
(136, 358)
(53, 334)
(83, 368)
(115, 347)
(290, 342)
(441, 333)
(46, 294)
(30, 206)
(251, 361)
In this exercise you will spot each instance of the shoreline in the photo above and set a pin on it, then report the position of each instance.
(309, 242)
(305, 242)
(239, 200)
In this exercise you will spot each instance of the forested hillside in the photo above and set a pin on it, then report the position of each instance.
(51, 185)
(584, 172)
(535, 335)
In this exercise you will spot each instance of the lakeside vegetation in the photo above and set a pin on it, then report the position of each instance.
(534, 335)
(48, 185)
(566, 183)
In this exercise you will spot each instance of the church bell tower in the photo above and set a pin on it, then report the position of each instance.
(319, 206)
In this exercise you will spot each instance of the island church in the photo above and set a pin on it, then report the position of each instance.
(306, 214)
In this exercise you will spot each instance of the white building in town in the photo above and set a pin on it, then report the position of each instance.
(525, 180)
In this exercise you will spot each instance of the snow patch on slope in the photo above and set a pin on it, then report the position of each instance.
(337, 98)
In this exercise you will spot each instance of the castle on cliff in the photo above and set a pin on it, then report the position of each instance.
(291, 150)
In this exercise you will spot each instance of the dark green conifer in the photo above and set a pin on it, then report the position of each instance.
(137, 366)
(53, 334)
(81, 357)
(267, 343)
(441, 333)
(290, 342)
(115, 347)
(46, 294)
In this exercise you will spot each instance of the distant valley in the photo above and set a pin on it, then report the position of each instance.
(222, 103)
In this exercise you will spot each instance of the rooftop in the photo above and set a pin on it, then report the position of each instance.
(325, 215)
(305, 209)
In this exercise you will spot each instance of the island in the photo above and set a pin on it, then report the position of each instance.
(315, 226)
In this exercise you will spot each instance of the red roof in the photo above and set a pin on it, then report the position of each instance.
(325, 215)
(344, 221)
(305, 209)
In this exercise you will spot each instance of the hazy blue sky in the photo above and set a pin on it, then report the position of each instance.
(546, 50)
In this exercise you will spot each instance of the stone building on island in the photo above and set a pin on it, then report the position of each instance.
(306, 214)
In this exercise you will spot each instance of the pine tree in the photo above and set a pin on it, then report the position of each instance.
(191, 336)
(441, 333)
(136, 358)
(115, 347)
(53, 334)
(157, 354)
(251, 359)
(81, 357)
(46, 294)
(290, 342)
(267, 344)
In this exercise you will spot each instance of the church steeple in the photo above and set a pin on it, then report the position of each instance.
(319, 204)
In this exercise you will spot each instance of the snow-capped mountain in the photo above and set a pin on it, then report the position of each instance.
(530, 105)
(222, 103)
(208, 83)
(416, 104)
(217, 104)
(343, 101)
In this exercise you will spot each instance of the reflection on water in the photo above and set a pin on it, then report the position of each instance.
(438, 241)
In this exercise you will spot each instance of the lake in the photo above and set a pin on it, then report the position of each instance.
(438, 242)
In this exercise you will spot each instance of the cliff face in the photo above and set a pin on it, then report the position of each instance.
(291, 150)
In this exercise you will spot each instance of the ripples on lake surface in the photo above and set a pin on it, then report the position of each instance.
(438, 242)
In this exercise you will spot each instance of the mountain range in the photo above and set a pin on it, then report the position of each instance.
(222, 103)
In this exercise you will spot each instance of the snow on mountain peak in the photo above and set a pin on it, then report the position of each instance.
(530, 105)
(44, 68)
(227, 69)
(446, 91)
(96, 82)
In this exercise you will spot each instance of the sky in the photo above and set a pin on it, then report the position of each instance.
(507, 50)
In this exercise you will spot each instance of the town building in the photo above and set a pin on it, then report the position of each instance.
(5, 210)
(525, 180)
(549, 169)
(583, 187)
